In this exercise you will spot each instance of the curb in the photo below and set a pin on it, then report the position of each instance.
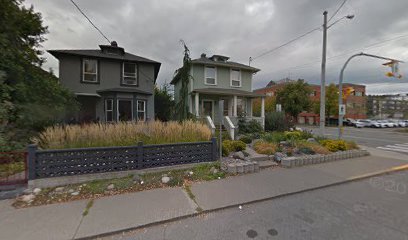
(360, 177)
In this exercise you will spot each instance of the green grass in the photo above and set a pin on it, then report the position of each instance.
(99, 186)
(88, 207)
(11, 168)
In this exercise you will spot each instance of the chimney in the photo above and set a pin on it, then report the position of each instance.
(203, 55)
(114, 44)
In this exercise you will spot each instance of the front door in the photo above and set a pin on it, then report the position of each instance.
(208, 108)
(125, 110)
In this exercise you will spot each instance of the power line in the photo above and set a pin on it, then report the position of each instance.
(338, 9)
(287, 43)
(373, 45)
(79, 9)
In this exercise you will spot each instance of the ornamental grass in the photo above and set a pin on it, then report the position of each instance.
(121, 134)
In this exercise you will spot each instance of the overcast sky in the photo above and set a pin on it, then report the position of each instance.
(241, 29)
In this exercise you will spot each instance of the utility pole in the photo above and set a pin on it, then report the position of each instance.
(323, 78)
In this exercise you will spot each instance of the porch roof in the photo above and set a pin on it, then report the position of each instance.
(227, 92)
(127, 90)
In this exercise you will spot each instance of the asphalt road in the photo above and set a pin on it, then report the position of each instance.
(371, 137)
(374, 208)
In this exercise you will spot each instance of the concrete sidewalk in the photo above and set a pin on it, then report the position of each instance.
(129, 211)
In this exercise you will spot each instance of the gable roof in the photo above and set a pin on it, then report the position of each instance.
(97, 53)
(208, 61)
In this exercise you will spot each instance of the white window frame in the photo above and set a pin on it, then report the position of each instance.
(107, 110)
(117, 108)
(240, 78)
(144, 109)
(83, 70)
(205, 75)
(130, 76)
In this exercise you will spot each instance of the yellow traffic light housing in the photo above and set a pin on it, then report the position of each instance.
(394, 69)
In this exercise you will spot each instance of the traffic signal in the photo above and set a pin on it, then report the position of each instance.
(348, 91)
(394, 69)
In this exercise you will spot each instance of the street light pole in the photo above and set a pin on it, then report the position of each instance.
(340, 130)
(323, 78)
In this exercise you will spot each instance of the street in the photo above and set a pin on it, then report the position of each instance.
(383, 138)
(373, 208)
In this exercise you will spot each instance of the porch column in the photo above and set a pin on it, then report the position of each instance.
(190, 104)
(250, 107)
(197, 104)
(235, 106)
(263, 107)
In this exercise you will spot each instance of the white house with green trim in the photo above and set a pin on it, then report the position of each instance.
(216, 78)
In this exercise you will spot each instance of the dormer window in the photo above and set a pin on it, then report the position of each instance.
(129, 73)
(235, 78)
(210, 75)
(90, 70)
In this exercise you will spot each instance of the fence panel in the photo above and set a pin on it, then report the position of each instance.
(69, 162)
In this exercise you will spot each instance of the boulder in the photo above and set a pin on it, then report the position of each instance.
(165, 179)
(239, 155)
(27, 198)
(279, 156)
(71, 191)
(110, 186)
(36, 191)
(75, 193)
(59, 189)
(311, 140)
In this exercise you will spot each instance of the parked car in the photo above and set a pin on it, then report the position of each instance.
(403, 123)
(375, 123)
(360, 123)
(349, 122)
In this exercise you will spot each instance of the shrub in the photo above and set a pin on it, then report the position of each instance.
(274, 137)
(252, 126)
(305, 135)
(294, 135)
(306, 150)
(122, 134)
(267, 148)
(351, 145)
(276, 121)
(229, 146)
(334, 145)
(246, 139)
(315, 147)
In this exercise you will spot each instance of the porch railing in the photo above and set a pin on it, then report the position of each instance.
(230, 126)
(261, 120)
(210, 124)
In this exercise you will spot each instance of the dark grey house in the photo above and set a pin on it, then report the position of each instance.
(110, 84)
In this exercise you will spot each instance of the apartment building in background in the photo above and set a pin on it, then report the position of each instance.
(355, 102)
(387, 106)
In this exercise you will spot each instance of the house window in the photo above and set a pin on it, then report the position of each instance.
(210, 75)
(235, 78)
(141, 110)
(90, 70)
(129, 74)
(359, 94)
(109, 110)
(269, 94)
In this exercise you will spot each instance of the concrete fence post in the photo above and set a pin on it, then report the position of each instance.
(140, 155)
(214, 148)
(31, 149)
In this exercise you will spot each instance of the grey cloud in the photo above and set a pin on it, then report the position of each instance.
(239, 29)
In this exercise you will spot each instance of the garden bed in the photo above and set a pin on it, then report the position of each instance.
(131, 183)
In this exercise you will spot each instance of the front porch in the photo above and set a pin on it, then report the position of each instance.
(204, 103)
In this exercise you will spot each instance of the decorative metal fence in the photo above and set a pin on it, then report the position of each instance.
(13, 168)
(69, 162)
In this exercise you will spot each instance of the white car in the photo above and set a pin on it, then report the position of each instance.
(360, 123)
(403, 123)
(383, 123)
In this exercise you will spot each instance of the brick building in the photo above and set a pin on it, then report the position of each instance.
(355, 102)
